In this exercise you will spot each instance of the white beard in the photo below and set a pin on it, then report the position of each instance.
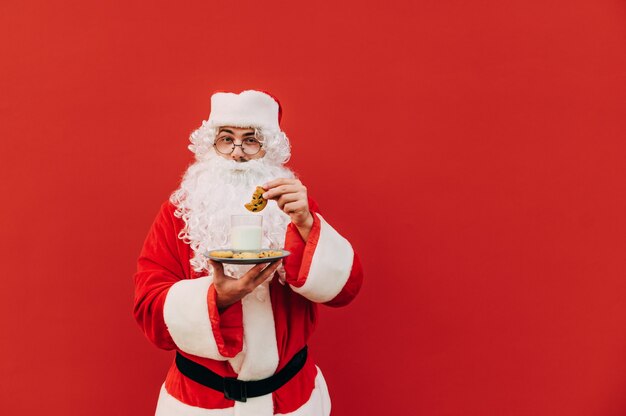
(214, 189)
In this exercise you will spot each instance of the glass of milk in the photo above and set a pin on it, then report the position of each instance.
(246, 232)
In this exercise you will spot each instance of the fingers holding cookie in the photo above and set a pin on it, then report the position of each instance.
(278, 187)
(291, 197)
(287, 198)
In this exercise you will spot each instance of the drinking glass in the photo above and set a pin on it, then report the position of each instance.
(246, 232)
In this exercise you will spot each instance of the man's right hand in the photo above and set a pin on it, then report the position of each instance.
(230, 290)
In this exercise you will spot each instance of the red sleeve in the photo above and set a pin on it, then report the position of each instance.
(333, 286)
(164, 262)
(227, 325)
(158, 268)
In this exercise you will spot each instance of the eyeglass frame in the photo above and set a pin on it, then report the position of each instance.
(238, 145)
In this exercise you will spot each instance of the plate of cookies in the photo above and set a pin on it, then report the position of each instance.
(266, 255)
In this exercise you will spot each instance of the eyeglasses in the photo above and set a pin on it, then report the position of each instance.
(226, 145)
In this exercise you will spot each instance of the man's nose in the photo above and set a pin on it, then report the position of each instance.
(237, 154)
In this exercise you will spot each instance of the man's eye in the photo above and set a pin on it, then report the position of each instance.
(251, 141)
(227, 139)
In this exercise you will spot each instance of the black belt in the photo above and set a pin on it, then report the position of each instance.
(237, 389)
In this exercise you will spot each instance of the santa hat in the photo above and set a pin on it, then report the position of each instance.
(248, 109)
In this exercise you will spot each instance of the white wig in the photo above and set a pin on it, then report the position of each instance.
(275, 143)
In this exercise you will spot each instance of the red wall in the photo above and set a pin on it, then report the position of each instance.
(473, 152)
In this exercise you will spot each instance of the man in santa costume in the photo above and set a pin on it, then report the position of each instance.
(240, 332)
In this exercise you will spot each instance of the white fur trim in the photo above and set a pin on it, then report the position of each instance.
(317, 405)
(330, 267)
(255, 406)
(170, 406)
(186, 315)
(260, 351)
(248, 109)
(259, 358)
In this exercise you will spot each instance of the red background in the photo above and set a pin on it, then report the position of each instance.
(473, 152)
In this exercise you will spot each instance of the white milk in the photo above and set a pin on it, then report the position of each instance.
(246, 237)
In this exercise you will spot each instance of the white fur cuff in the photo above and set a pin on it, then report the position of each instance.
(186, 315)
(330, 266)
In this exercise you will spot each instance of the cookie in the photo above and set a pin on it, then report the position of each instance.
(270, 253)
(246, 255)
(258, 203)
(227, 254)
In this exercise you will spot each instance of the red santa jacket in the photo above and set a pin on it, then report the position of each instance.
(251, 339)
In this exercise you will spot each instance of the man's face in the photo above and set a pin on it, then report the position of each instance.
(246, 145)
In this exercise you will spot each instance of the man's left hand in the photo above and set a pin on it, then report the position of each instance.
(291, 197)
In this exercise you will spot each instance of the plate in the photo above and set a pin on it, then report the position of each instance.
(284, 253)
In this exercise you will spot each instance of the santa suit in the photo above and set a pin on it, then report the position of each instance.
(251, 339)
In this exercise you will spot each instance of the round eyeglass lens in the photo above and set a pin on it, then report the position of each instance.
(251, 146)
(224, 145)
